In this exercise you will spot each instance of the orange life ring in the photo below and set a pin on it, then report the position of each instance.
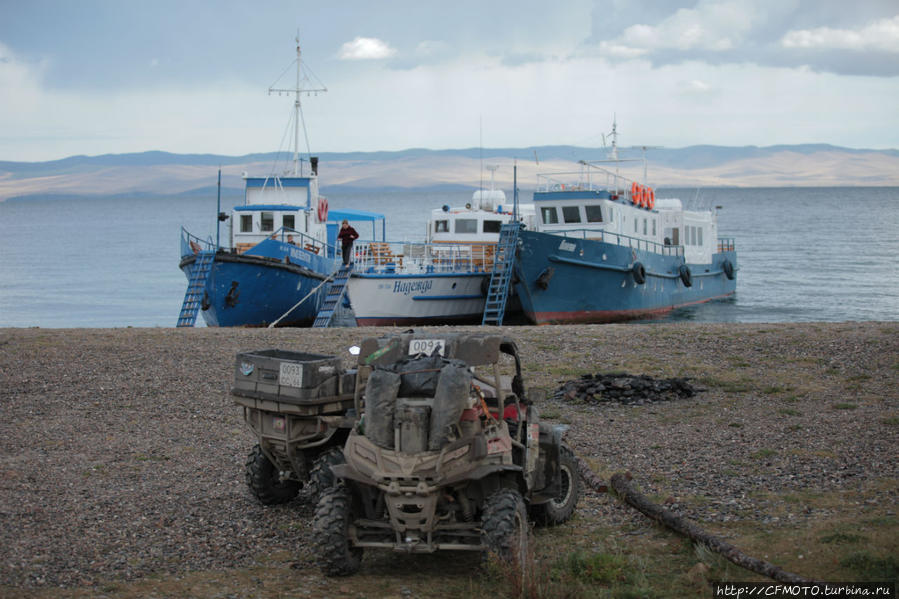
(321, 211)
(651, 199)
(635, 193)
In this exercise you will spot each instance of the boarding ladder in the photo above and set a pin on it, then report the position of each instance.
(196, 286)
(335, 293)
(501, 275)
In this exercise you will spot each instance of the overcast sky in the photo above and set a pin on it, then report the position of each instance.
(191, 76)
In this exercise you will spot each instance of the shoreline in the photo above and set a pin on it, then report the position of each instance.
(123, 453)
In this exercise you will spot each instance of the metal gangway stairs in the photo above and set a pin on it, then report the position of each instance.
(196, 286)
(335, 293)
(501, 275)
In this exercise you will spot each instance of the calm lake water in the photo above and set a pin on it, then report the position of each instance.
(806, 254)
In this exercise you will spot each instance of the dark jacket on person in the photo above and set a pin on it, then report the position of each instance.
(347, 235)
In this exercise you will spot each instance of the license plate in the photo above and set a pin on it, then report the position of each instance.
(291, 374)
(426, 346)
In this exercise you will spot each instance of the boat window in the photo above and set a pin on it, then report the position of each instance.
(636, 224)
(267, 223)
(644, 226)
(548, 215)
(440, 226)
(492, 226)
(653, 227)
(571, 214)
(699, 232)
(466, 225)
(594, 213)
(246, 223)
(288, 221)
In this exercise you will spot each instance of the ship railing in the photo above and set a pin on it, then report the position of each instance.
(594, 178)
(726, 244)
(191, 244)
(424, 258)
(307, 242)
(624, 240)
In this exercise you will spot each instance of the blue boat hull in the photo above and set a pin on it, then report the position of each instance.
(252, 290)
(566, 280)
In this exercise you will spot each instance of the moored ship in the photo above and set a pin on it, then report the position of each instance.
(605, 249)
(280, 256)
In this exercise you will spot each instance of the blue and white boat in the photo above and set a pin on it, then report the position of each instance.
(280, 256)
(605, 249)
(441, 281)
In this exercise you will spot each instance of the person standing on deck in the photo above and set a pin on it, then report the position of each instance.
(347, 236)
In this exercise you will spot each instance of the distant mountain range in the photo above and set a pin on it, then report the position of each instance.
(164, 174)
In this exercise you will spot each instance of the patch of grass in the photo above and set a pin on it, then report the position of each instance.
(739, 385)
(842, 538)
(844, 406)
(789, 412)
(735, 425)
(776, 389)
(794, 427)
(595, 567)
(551, 414)
(890, 420)
(867, 566)
(761, 454)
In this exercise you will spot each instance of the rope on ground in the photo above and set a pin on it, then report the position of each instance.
(620, 483)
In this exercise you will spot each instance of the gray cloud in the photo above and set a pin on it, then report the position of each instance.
(823, 35)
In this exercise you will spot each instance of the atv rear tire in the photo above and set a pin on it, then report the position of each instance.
(335, 554)
(265, 482)
(505, 526)
(560, 508)
(320, 477)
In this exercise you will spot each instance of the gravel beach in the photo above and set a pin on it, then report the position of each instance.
(122, 451)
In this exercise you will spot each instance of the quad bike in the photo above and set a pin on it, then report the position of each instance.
(448, 453)
(297, 405)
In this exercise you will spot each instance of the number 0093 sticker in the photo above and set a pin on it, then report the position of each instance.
(291, 374)
(426, 346)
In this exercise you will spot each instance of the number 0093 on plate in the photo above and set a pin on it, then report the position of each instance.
(426, 346)
(291, 374)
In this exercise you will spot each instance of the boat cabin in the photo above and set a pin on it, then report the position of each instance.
(617, 216)
(479, 221)
(283, 206)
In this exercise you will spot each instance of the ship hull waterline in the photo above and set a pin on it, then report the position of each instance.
(567, 281)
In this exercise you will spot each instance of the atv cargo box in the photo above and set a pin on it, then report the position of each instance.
(314, 383)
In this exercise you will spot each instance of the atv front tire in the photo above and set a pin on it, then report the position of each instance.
(335, 554)
(265, 482)
(321, 477)
(505, 526)
(560, 508)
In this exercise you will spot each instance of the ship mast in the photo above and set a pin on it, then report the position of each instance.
(298, 90)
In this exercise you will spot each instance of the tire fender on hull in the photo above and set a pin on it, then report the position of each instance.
(686, 276)
(728, 267)
(639, 273)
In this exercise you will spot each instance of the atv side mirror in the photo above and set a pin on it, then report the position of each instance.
(354, 350)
